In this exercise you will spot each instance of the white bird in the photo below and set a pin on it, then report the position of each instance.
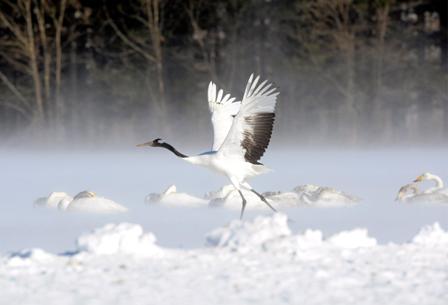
(407, 192)
(324, 195)
(286, 199)
(87, 201)
(242, 131)
(172, 197)
(53, 200)
(439, 187)
(435, 194)
(411, 193)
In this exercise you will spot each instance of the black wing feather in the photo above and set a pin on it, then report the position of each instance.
(256, 138)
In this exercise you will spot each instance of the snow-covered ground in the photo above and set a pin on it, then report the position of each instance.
(251, 262)
(240, 264)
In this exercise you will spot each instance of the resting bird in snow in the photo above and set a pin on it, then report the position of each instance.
(174, 198)
(53, 200)
(439, 187)
(407, 192)
(411, 193)
(87, 201)
(324, 195)
(242, 131)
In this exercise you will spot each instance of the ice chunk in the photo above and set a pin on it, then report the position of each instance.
(123, 238)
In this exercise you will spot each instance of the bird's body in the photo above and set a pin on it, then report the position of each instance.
(53, 200)
(435, 194)
(242, 131)
(87, 201)
(439, 185)
(324, 196)
(231, 166)
(171, 197)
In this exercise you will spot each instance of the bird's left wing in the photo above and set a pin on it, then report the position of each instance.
(251, 130)
(223, 108)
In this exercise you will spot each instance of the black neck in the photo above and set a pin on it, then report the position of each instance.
(172, 149)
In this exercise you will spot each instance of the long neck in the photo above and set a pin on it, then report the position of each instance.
(173, 150)
(438, 181)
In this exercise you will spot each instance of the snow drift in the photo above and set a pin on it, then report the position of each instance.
(259, 261)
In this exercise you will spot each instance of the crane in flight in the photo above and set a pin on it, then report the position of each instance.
(242, 131)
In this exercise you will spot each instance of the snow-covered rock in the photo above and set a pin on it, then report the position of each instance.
(123, 238)
(171, 197)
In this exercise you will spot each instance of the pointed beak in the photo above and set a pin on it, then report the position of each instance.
(418, 179)
(144, 144)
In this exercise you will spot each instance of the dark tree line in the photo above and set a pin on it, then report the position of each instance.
(349, 71)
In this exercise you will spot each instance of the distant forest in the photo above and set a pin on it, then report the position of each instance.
(350, 72)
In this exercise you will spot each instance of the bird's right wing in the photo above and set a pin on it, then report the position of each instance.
(223, 108)
(251, 130)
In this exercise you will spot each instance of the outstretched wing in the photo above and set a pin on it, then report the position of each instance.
(223, 108)
(251, 130)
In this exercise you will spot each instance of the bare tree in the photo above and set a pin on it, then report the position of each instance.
(29, 48)
(149, 14)
(19, 49)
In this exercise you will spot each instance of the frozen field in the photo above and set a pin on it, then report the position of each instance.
(276, 266)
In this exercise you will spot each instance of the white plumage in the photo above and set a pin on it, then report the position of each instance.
(436, 194)
(241, 134)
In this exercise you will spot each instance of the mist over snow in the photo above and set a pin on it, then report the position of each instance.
(127, 177)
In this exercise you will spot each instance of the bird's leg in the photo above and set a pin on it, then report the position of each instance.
(244, 204)
(263, 199)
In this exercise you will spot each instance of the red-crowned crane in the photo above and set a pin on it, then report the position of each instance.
(242, 131)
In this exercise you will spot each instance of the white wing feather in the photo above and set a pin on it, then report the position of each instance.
(251, 130)
(223, 109)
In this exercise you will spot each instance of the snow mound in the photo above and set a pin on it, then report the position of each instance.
(272, 234)
(357, 238)
(246, 235)
(27, 257)
(123, 238)
(431, 235)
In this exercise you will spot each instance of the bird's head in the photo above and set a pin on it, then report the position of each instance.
(154, 143)
(422, 177)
